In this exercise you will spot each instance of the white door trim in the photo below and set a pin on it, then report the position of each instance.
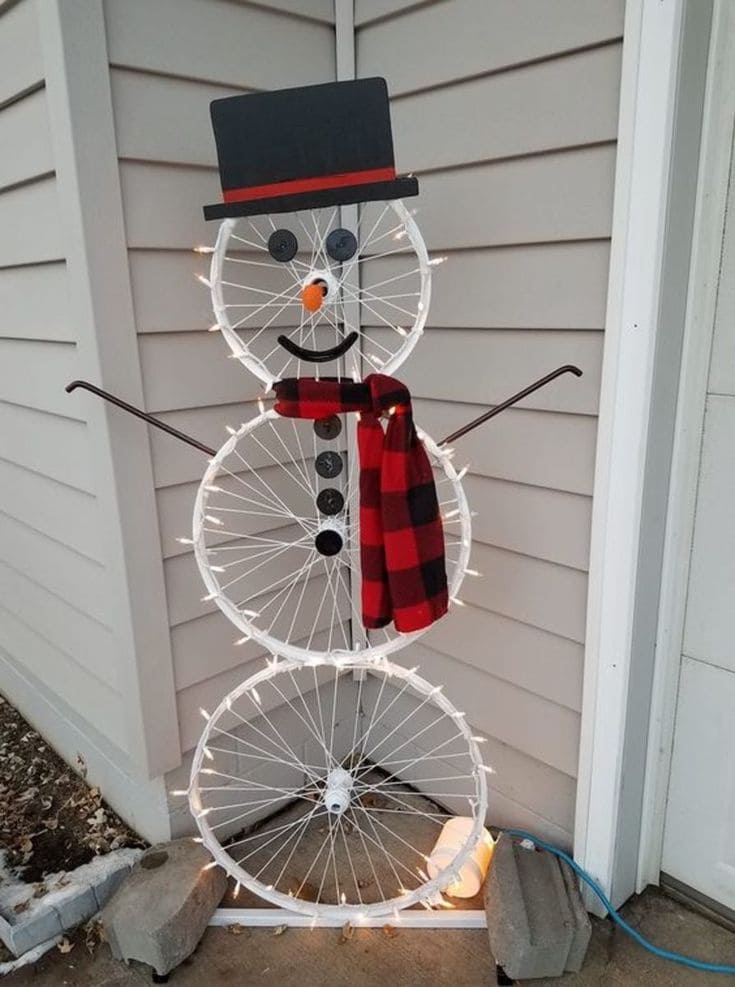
(648, 88)
(698, 332)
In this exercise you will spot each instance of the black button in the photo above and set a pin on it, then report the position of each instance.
(328, 428)
(328, 464)
(341, 244)
(282, 245)
(330, 501)
(328, 542)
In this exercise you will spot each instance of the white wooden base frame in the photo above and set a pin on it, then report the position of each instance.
(444, 918)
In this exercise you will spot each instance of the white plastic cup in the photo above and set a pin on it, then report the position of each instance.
(452, 838)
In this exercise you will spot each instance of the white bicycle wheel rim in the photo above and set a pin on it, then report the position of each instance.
(424, 894)
(275, 645)
(266, 374)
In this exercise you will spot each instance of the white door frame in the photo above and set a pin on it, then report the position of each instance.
(640, 371)
(698, 334)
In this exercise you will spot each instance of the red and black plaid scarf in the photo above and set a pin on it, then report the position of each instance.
(401, 538)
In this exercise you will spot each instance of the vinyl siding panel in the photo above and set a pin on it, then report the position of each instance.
(479, 37)
(66, 514)
(48, 444)
(511, 126)
(163, 78)
(47, 663)
(54, 587)
(73, 576)
(21, 63)
(562, 102)
(26, 140)
(30, 223)
(547, 449)
(33, 373)
(219, 41)
(35, 301)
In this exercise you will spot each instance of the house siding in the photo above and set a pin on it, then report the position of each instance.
(510, 126)
(161, 92)
(54, 590)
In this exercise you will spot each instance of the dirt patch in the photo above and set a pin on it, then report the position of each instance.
(50, 819)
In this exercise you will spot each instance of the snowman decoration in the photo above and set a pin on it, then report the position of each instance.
(329, 528)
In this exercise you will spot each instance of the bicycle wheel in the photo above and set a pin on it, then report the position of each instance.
(323, 789)
(303, 278)
(277, 540)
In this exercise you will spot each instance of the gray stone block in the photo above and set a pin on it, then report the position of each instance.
(21, 936)
(160, 912)
(580, 918)
(533, 926)
(77, 908)
(71, 898)
(110, 883)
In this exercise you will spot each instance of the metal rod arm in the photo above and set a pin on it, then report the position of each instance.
(131, 409)
(541, 382)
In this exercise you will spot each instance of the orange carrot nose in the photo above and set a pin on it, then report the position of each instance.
(312, 296)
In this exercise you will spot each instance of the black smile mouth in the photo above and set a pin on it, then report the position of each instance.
(318, 356)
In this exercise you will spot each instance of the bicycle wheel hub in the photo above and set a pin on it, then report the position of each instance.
(337, 791)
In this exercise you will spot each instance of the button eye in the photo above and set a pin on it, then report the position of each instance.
(341, 244)
(282, 245)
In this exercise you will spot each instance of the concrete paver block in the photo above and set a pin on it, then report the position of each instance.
(160, 912)
(536, 929)
(20, 937)
(109, 885)
(580, 918)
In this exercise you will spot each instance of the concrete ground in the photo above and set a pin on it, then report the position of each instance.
(411, 958)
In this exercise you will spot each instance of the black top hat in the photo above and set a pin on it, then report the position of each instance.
(305, 148)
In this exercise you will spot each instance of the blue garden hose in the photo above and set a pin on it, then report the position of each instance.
(664, 954)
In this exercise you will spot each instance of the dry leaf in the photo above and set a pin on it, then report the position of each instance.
(65, 946)
(27, 844)
(238, 930)
(20, 907)
(348, 932)
(279, 930)
(93, 935)
(390, 931)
